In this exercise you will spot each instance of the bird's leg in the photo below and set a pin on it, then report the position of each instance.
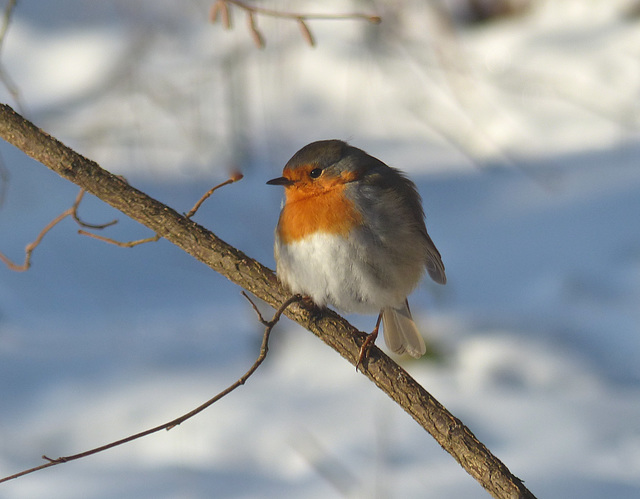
(368, 343)
(310, 305)
(308, 302)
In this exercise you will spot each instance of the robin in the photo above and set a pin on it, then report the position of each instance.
(351, 234)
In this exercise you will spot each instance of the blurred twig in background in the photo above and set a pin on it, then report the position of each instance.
(5, 78)
(220, 10)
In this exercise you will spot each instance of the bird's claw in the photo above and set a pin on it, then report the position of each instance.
(363, 356)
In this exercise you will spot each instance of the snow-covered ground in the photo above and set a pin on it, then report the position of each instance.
(522, 136)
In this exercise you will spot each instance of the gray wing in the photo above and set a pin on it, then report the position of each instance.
(405, 194)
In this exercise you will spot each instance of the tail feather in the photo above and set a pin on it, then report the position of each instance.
(400, 332)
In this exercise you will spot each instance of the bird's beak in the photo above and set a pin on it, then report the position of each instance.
(280, 181)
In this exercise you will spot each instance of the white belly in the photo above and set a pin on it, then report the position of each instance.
(345, 273)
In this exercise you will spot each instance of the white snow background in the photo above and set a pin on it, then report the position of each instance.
(522, 136)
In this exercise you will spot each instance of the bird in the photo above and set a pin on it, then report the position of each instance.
(351, 234)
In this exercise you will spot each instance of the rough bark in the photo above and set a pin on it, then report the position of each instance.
(259, 280)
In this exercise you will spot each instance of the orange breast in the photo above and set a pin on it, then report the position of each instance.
(326, 210)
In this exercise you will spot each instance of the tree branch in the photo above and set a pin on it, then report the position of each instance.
(251, 275)
(264, 349)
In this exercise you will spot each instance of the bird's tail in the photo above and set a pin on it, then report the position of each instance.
(400, 332)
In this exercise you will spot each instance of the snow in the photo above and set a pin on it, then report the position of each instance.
(522, 136)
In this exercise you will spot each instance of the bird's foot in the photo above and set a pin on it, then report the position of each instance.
(365, 348)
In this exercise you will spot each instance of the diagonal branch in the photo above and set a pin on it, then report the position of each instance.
(254, 277)
(264, 349)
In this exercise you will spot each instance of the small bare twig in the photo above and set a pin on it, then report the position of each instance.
(306, 32)
(31, 246)
(235, 177)
(6, 20)
(258, 39)
(221, 7)
(127, 244)
(293, 15)
(264, 348)
(7, 81)
(72, 212)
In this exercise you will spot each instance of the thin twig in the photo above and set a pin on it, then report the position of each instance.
(6, 20)
(264, 348)
(32, 246)
(235, 177)
(72, 212)
(221, 7)
(6, 79)
(122, 244)
(258, 39)
(293, 15)
(306, 32)
(12, 88)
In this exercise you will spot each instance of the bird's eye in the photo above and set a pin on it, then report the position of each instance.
(315, 173)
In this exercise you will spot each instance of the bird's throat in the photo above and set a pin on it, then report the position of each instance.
(328, 211)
